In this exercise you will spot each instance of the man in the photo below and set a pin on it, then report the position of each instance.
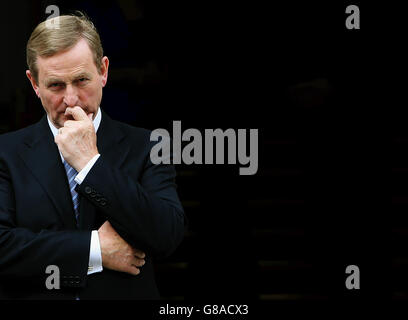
(78, 190)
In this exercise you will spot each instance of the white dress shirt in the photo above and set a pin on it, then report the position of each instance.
(95, 255)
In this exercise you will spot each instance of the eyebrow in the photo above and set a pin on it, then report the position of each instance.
(52, 80)
(75, 77)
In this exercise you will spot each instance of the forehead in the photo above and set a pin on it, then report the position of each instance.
(65, 63)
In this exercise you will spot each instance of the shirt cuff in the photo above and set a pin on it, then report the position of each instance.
(82, 174)
(95, 255)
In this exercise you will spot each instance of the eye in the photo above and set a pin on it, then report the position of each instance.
(55, 85)
(82, 81)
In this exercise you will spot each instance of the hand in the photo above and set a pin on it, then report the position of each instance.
(76, 140)
(117, 254)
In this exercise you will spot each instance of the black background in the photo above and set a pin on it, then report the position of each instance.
(291, 70)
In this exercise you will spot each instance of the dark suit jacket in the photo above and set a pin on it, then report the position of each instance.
(37, 221)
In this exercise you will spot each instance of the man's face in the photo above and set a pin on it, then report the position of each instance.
(68, 79)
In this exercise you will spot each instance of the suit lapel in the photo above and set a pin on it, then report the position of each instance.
(41, 156)
(111, 147)
(110, 140)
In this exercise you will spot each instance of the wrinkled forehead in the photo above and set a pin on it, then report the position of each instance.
(78, 59)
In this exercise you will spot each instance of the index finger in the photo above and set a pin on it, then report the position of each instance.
(77, 113)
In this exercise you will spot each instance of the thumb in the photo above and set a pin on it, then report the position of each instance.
(90, 116)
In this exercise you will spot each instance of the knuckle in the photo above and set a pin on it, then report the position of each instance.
(139, 253)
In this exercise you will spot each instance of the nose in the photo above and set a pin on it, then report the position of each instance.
(71, 96)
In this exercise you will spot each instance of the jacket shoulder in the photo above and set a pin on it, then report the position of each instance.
(12, 139)
(136, 134)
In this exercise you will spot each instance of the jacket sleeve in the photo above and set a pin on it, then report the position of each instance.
(24, 253)
(146, 212)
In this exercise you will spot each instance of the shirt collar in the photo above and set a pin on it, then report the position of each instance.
(96, 123)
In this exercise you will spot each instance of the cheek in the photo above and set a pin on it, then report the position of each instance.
(92, 96)
(51, 101)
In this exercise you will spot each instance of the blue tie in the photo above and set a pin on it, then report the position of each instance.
(72, 173)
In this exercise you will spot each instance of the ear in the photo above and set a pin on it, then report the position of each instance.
(104, 70)
(33, 83)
